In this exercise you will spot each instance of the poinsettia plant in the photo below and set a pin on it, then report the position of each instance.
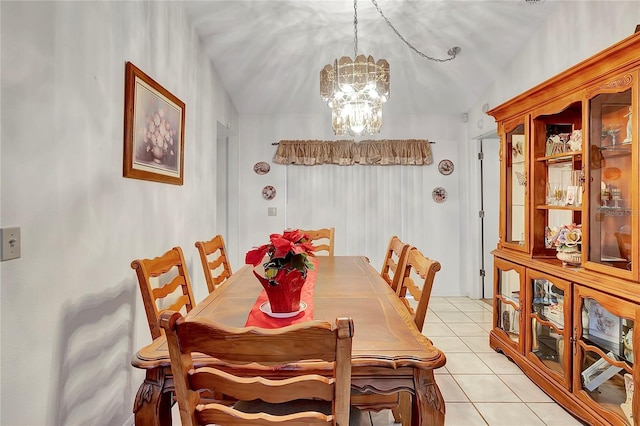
(567, 238)
(287, 256)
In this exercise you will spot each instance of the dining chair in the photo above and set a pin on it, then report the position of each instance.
(425, 268)
(395, 259)
(325, 236)
(164, 284)
(303, 398)
(413, 264)
(215, 262)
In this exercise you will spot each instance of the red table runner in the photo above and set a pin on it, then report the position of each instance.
(258, 318)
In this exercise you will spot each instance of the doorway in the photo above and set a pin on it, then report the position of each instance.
(489, 150)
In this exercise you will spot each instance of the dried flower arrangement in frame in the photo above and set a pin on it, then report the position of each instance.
(153, 130)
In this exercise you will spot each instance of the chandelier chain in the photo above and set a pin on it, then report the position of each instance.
(452, 52)
(355, 28)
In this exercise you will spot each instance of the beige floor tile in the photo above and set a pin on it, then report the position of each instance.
(449, 344)
(466, 363)
(432, 317)
(381, 418)
(450, 390)
(468, 329)
(508, 414)
(449, 317)
(442, 307)
(526, 390)
(499, 363)
(488, 326)
(553, 415)
(468, 306)
(434, 329)
(462, 414)
(485, 388)
(477, 343)
(480, 316)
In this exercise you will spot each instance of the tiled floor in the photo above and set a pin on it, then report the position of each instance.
(479, 386)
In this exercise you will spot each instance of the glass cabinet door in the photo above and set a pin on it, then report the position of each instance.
(514, 216)
(509, 279)
(557, 194)
(603, 365)
(612, 183)
(549, 336)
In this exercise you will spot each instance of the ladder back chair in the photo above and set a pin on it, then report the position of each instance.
(300, 399)
(413, 262)
(395, 259)
(324, 236)
(426, 269)
(164, 284)
(215, 263)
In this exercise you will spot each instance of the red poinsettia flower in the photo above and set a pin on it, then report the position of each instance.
(286, 252)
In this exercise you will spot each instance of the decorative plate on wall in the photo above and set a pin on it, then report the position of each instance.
(439, 194)
(269, 192)
(445, 167)
(261, 168)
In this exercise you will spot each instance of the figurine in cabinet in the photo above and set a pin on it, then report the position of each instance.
(627, 341)
(626, 406)
(627, 139)
(575, 140)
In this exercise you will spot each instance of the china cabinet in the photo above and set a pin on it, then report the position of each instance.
(567, 264)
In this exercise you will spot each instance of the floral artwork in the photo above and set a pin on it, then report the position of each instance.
(154, 130)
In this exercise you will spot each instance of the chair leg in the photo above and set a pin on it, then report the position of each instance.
(402, 414)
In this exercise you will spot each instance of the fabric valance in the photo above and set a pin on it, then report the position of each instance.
(345, 153)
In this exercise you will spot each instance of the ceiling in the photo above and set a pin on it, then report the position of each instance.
(269, 53)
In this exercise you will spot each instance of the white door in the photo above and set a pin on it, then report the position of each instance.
(490, 204)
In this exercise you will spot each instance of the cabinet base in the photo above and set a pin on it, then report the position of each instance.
(559, 394)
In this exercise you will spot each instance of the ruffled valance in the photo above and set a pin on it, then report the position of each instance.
(345, 153)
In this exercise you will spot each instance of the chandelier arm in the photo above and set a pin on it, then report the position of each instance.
(453, 52)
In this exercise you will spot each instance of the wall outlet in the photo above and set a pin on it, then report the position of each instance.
(10, 243)
(272, 211)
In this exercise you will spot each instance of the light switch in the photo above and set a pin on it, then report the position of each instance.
(272, 211)
(10, 243)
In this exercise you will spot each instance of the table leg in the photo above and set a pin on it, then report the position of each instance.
(152, 406)
(428, 405)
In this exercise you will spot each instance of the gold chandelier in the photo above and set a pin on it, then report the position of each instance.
(356, 89)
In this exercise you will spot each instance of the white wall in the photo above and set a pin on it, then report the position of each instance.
(576, 31)
(72, 315)
(366, 204)
(573, 33)
(62, 86)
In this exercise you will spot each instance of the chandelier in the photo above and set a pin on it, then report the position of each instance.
(356, 89)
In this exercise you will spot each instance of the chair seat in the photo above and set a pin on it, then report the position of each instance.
(291, 407)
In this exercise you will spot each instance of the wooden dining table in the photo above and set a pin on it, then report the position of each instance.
(389, 353)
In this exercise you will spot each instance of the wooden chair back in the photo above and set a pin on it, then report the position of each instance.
(322, 239)
(395, 260)
(215, 263)
(247, 351)
(164, 285)
(425, 268)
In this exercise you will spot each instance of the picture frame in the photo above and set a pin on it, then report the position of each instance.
(153, 130)
(604, 328)
(599, 372)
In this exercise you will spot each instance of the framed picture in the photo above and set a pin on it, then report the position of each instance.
(604, 328)
(153, 130)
